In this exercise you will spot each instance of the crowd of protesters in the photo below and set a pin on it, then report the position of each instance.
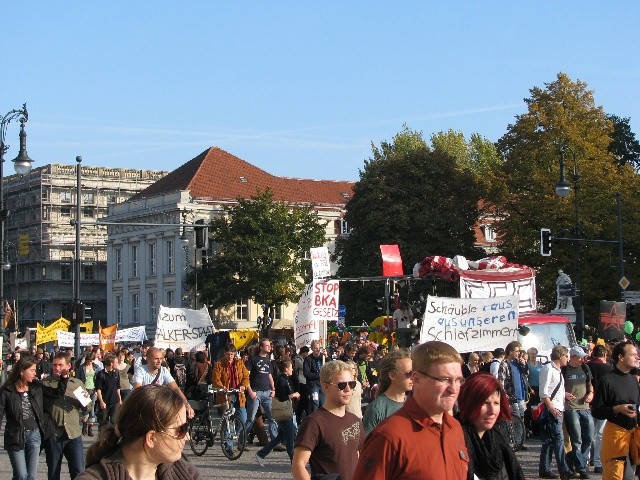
(350, 413)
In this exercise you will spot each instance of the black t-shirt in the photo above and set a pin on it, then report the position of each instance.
(259, 371)
(108, 383)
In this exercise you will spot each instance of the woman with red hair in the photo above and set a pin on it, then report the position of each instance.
(483, 402)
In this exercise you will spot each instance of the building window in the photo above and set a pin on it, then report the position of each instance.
(344, 227)
(118, 253)
(241, 309)
(65, 212)
(153, 308)
(87, 212)
(65, 270)
(170, 256)
(88, 198)
(111, 198)
(152, 258)
(88, 272)
(169, 298)
(45, 195)
(118, 309)
(46, 213)
(135, 308)
(65, 197)
(489, 233)
(277, 312)
(134, 261)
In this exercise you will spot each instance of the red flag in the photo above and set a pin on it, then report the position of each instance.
(391, 260)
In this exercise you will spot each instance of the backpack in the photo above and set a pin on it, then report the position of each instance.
(180, 374)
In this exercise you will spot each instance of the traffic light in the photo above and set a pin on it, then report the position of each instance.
(77, 314)
(202, 234)
(545, 242)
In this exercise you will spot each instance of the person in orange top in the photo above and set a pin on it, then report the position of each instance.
(230, 372)
(391, 449)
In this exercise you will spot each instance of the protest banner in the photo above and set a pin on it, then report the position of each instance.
(317, 305)
(183, 327)
(49, 333)
(468, 324)
(612, 317)
(108, 337)
(320, 263)
(67, 339)
(131, 335)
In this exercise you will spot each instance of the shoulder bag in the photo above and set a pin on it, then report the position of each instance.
(281, 411)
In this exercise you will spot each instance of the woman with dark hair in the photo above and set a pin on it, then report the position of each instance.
(21, 401)
(483, 402)
(287, 429)
(146, 442)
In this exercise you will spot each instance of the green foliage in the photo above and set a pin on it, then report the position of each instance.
(410, 195)
(260, 249)
(523, 191)
(624, 145)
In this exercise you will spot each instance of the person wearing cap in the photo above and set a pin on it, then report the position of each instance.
(578, 386)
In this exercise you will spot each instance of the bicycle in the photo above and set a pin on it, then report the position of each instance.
(513, 431)
(204, 427)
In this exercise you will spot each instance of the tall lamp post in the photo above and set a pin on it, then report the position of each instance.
(22, 164)
(562, 190)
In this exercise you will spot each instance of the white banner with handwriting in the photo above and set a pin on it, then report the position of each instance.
(471, 324)
(183, 327)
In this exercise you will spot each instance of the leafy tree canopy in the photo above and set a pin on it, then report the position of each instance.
(624, 145)
(408, 194)
(260, 249)
(564, 113)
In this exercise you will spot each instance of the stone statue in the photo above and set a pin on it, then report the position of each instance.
(565, 302)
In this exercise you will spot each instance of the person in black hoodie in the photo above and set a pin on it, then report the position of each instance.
(483, 402)
(22, 401)
(311, 370)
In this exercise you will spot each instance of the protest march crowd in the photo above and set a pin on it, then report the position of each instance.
(353, 410)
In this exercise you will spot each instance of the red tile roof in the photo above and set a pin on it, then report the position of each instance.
(218, 175)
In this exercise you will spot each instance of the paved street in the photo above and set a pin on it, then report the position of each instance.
(213, 465)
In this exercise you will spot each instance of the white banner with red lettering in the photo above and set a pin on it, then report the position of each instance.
(317, 305)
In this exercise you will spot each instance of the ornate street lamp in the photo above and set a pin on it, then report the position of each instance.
(22, 164)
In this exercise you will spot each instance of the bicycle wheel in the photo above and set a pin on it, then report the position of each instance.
(232, 437)
(200, 433)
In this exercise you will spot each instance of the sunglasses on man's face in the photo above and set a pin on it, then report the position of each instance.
(342, 385)
(406, 374)
(182, 431)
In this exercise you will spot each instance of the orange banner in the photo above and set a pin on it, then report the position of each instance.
(108, 337)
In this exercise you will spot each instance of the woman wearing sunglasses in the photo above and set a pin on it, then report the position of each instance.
(146, 442)
(483, 402)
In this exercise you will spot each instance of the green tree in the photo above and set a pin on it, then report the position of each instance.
(624, 145)
(411, 195)
(563, 113)
(260, 253)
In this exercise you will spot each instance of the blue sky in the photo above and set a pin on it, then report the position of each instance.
(300, 89)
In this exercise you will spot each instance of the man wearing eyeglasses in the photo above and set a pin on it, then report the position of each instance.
(421, 440)
(330, 438)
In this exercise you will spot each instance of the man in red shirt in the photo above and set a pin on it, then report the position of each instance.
(421, 440)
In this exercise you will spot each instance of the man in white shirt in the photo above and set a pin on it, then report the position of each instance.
(402, 319)
(552, 393)
(154, 372)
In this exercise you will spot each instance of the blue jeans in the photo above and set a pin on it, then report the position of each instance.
(287, 431)
(597, 441)
(580, 428)
(241, 413)
(263, 397)
(316, 397)
(58, 446)
(552, 444)
(25, 462)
